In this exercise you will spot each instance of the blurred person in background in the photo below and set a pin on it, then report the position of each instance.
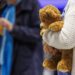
(27, 49)
(2, 6)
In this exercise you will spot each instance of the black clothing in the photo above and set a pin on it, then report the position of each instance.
(26, 37)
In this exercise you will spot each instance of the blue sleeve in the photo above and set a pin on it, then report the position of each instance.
(11, 18)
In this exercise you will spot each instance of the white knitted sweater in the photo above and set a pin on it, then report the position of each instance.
(65, 39)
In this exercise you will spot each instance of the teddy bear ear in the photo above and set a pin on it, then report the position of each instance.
(42, 15)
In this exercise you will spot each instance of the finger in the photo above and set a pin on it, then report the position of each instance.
(2, 23)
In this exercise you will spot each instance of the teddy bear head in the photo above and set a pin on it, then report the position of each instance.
(49, 14)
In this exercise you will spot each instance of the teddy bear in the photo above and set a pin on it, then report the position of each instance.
(55, 59)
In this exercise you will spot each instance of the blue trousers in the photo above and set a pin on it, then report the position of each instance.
(61, 73)
(48, 72)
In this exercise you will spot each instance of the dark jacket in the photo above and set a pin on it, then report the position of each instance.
(26, 29)
(26, 36)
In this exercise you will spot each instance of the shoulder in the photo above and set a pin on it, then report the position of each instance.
(71, 7)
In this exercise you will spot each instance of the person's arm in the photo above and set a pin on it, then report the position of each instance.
(65, 39)
(24, 33)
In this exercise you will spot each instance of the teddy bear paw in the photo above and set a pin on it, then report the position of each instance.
(64, 66)
(49, 64)
(56, 26)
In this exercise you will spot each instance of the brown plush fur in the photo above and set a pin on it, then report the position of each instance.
(50, 18)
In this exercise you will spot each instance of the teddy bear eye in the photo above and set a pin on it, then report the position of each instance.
(48, 15)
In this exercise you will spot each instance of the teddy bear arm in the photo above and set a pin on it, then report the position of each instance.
(56, 26)
(42, 31)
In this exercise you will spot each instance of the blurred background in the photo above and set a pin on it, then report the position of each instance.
(60, 4)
